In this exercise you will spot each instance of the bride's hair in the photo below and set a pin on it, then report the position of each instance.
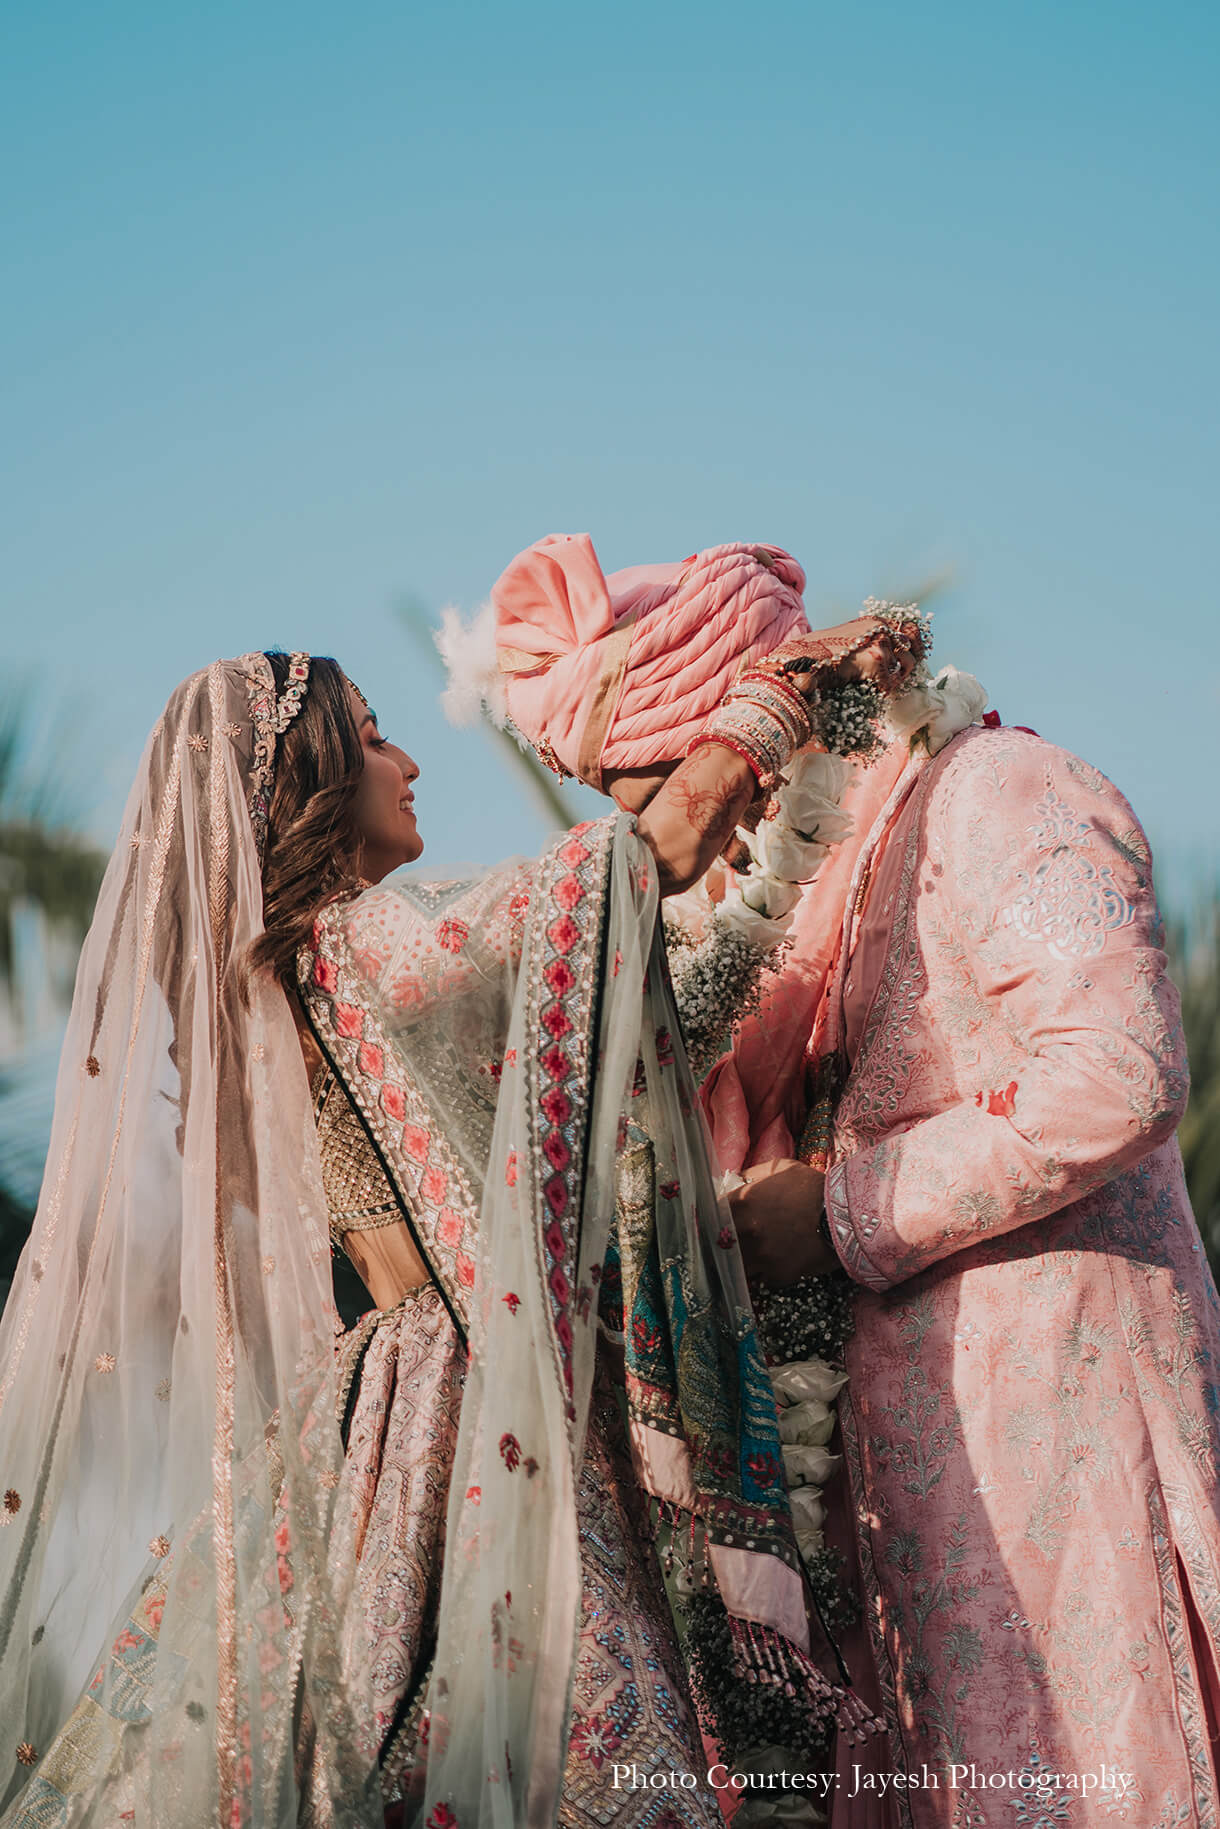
(312, 841)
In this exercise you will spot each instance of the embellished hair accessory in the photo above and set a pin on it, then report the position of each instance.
(292, 697)
(270, 717)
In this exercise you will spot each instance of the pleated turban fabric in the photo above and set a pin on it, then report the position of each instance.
(622, 671)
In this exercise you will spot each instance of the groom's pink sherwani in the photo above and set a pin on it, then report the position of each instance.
(1030, 1427)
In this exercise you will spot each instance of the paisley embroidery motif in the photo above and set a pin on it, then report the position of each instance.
(1067, 903)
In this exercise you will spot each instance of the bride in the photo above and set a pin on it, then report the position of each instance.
(248, 1578)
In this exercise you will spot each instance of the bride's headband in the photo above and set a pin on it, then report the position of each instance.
(270, 715)
(292, 697)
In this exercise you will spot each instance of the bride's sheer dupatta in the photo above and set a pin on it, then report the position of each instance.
(173, 1572)
(513, 1050)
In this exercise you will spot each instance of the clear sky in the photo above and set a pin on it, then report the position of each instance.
(310, 309)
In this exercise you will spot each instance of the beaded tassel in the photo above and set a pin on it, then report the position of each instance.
(762, 1655)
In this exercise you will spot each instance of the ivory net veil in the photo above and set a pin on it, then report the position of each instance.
(174, 1573)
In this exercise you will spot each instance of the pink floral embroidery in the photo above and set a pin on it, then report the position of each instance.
(560, 977)
(557, 1021)
(510, 1169)
(465, 1270)
(644, 1338)
(763, 1468)
(442, 1817)
(510, 1059)
(556, 1106)
(392, 1101)
(449, 1226)
(556, 1151)
(510, 1451)
(474, 1495)
(563, 934)
(349, 1021)
(569, 891)
(725, 1238)
(325, 976)
(512, 1301)
(452, 935)
(433, 1184)
(415, 1142)
(1003, 1104)
(370, 1060)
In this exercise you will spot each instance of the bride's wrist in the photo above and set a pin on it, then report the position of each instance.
(765, 721)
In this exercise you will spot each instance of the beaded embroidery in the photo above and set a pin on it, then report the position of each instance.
(358, 1197)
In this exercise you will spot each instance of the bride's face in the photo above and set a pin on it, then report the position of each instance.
(384, 804)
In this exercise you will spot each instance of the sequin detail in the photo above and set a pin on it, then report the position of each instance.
(358, 1196)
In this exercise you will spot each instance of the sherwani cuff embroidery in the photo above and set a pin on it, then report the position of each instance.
(848, 1237)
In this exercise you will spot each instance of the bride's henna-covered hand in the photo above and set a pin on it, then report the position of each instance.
(695, 812)
(776, 1215)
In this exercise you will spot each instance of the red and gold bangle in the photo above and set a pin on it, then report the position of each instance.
(773, 689)
(754, 732)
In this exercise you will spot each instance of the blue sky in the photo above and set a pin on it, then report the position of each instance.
(310, 310)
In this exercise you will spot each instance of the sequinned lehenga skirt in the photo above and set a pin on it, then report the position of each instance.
(401, 1383)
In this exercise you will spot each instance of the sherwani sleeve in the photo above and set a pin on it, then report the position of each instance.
(1043, 879)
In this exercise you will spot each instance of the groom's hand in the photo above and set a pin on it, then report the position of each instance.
(776, 1215)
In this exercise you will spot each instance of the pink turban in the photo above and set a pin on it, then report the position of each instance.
(621, 672)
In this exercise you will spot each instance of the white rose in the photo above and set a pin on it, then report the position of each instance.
(808, 1544)
(913, 710)
(759, 929)
(810, 801)
(781, 852)
(962, 701)
(769, 895)
(815, 772)
(809, 1422)
(808, 1512)
(808, 1465)
(691, 911)
(804, 1379)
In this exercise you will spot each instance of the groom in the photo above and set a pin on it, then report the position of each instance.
(1030, 1423)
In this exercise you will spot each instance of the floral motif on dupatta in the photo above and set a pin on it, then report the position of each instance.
(563, 980)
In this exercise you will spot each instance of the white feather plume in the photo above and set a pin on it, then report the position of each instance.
(476, 684)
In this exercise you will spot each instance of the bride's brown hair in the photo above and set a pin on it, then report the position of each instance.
(313, 845)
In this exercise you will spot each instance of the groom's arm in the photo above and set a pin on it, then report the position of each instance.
(1046, 884)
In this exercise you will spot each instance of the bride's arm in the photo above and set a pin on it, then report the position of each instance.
(695, 812)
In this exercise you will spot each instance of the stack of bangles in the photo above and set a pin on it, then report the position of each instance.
(764, 719)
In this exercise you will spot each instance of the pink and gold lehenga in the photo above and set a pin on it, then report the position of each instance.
(402, 1371)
